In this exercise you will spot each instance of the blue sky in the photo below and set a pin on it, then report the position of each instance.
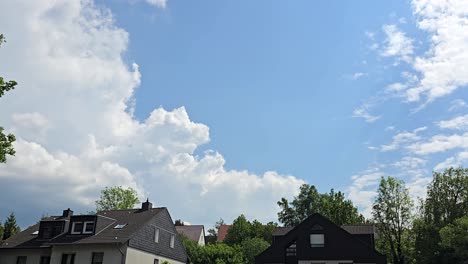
(229, 105)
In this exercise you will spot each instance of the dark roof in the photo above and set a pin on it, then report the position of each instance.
(104, 230)
(362, 229)
(222, 232)
(191, 231)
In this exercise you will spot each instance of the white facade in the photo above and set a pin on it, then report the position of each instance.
(135, 256)
(84, 253)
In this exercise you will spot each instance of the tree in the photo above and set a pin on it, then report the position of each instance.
(332, 205)
(6, 140)
(1, 231)
(262, 231)
(454, 239)
(392, 214)
(446, 201)
(115, 198)
(239, 230)
(251, 247)
(179, 222)
(219, 253)
(10, 228)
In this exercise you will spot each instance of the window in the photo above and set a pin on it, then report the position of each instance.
(77, 227)
(317, 240)
(291, 250)
(21, 260)
(172, 241)
(88, 228)
(156, 261)
(68, 259)
(156, 235)
(98, 258)
(120, 226)
(45, 260)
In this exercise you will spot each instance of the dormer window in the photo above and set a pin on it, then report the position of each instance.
(77, 228)
(82, 227)
(88, 228)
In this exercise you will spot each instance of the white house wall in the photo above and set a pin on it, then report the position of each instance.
(135, 256)
(83, 253)
(33, 255)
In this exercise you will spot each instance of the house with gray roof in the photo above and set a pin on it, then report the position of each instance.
(136, 236)
(193, 232)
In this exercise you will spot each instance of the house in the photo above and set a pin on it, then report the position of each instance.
(193, 232)
(318, 240)
(222, 232)
(134, 236)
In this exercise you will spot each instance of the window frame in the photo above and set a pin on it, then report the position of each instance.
(21, 258)
(84, 227)
(44, 260)
(94, 254)
(317, 245)
(73, 232)
(172, 241)
(156, 235)
(68, 255)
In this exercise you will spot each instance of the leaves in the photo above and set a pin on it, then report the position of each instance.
(115, 198)
(10, 228)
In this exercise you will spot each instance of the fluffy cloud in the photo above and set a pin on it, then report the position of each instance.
(77, 135)
(403, 138)
(440, 143)
(397, 44)
(459, 123)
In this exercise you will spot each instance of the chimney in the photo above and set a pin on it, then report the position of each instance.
(146, 205)
(67, 213)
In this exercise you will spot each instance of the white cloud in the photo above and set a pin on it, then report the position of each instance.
(397, 44)
(363, 112)
(457, 104)
(443, 67)
(403, 138)
(358, 75)
(439, 143)
(460, 159)
(459, 123)
(158, 3)
(75, 87)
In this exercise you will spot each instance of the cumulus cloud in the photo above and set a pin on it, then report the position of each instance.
(76, 134)
(459, 159)
(459, 123)
(439, 143)
(403, 138)
(363, 189)
(397, 44)
(443, 67)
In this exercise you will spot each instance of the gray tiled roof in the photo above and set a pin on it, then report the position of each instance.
(191, 231)
(352, 229)
(104, 233)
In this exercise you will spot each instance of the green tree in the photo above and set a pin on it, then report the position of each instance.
(454, 240)
(392, 214)
(239, 230)
(1, 231)
(6, 140)
(218, 253)
(251, 247)
(117, 197)
(10, 228)
(332, 205)
(179, 222)
(262, 231)
(446, 201)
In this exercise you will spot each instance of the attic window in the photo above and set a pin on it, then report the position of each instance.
(88, 227)
(35, 233)
(291, 250)
(317, 240)
(120, 226)
(77, 228)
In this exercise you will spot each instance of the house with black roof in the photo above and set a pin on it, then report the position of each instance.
(317, 240)
(134, 236)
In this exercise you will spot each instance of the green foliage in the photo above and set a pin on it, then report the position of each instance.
(392, 214)
(262, 231)
(165, 262)
(6, 146)
(446, 201)
(239, 230)
(332, 205)
(115, 198)
(251, 247)
(213, 253)
(1, 232)
(179, 222)
(454, 239)
(10, 228)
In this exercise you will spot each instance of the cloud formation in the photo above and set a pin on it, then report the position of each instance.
(76, 133)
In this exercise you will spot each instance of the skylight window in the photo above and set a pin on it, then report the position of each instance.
(120, 226)
(35, 233)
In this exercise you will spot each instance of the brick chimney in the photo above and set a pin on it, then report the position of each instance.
(146, 205)
(67, 213)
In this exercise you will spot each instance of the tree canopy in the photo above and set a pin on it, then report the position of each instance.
(117, 197)
(332, 205)
(10, 228)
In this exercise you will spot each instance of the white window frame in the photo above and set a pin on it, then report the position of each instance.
(172, 241)
(84, 227)
(73, 232)
(156, 235)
